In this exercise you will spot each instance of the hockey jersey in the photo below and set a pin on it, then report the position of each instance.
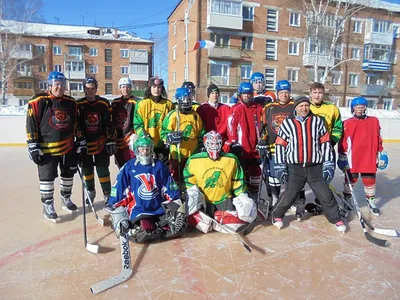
(264, 97)
(330, 113)
(191, 126)
(149, 116)
(95, 121)
(122, 117)
(216, 179)
(53, 123)
(361, 142)
(142, 189)
(215, 118)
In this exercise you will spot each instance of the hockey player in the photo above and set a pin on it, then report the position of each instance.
(182, 129)
(304, 155)
(273, 115)
(145, 187)
(54, 139)
(214, 114)
(359, 149)
(95, 120)
(150, 113)
(261, 95)
(214, 183)
(123, 109)
(192, 89)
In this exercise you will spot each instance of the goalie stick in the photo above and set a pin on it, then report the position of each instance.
(383, 231)
(126, 272)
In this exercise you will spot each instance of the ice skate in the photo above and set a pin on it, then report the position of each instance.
(49, 213)
(340, 227)
(67, 204)
(300, 210)
(277, 222)
(92, 196)
(372, 206)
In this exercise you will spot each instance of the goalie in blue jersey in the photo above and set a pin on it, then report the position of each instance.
(147, 192)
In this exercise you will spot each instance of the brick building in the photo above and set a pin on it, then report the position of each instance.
(77, 51)
(272, 37)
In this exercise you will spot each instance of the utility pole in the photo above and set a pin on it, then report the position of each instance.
(186, 20)
(57, 19)
(83, 19)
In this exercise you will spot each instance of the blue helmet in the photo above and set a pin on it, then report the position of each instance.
(358, 101)
(283, 85)
(181, 93)
(56, 76)
(257, 77)
(183, 99)
(245, 87)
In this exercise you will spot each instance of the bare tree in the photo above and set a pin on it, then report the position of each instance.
(15, 16)
(326, 21)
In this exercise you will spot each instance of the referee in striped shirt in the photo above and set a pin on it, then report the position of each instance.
(304, 155)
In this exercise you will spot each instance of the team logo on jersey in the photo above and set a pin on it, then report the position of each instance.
(148, 189)
(60, 119)
(122, 120)
(92, 121)
(155, 120)
(214, 180)
(277, 120)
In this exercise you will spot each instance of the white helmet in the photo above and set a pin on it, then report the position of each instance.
(125, 81)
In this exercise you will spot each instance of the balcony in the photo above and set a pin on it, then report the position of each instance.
(225, 81)
(22, 54)
(228, 15)
(323, 60)
(73, 57)
(23, 92)
(227, 53)
(141, 57)
(75, 74)
(376, 65)
(24, 73)
(378, 38)
(139, 77)
(374, 90)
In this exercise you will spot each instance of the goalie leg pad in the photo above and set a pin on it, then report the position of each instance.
(144, 231)
(201, 221)
(229, 219)
(119, 220)
(175, 218)
(245, 207)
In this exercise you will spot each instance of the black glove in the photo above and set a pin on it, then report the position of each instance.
(111, 148)
(81, 147)
(263, 149)
(174, 138)
(35, 154)
(237, 150)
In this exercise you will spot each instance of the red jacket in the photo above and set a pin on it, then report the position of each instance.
(215, 118)
(242, 127)
(361, 142)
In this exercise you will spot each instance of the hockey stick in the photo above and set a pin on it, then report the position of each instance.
(233, 234)
(369, 237)
(126, 272)
(89, 247)
(178, 149)
(383, 231)
(98, 219)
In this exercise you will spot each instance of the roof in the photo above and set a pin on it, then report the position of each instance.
(67, 31)
(179, 3)
(378, 4)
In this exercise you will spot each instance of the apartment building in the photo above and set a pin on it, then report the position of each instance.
(77, 51)
(276, 38)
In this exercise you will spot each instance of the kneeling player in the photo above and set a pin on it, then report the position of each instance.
(145, 187)
(215, 187)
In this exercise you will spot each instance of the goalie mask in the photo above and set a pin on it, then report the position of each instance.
(143, 148)
(213, 144)
(184, 99)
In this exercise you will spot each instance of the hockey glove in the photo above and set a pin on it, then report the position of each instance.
(174, 138)
(111, 148)
(342, 162)
(263, 149)
(236, 149)
(328, 170)
(81, 147)
(383, 160)
(281, 172)
(35, 153)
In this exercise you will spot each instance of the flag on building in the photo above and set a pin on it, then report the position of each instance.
(203, 44)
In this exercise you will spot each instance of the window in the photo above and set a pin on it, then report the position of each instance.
(248, 13)
(108, 72)
(387, 104)
(357, 27)
(24, 68)
(226, 7)
(353, 80)
(380, 26)
(42, 68)
(76, 86)
(23, 85)
(174, 53)
(139, 55)
(108, 88)
(174, 77)
(377, 52)
(220, 73)
(336, 77)
(338, 52)
(224, 98)
(43, 85)
(124, 53)
(245, 71)
(108, 55)
(40, 49)
(174, 28)
(57, 68)
(293, 75)
(392, 82)
(75, 51)
(93, 69)
(310, 75)
(124, 70)
(328, 20)
(294, 19)
(272, 20)
(270, 78)
(56, 50)
(139, 69)
(311, 47)
(374, 79)
(220, 40)
(355, 53)
(93, 52)
(294, 48)
(25, 47)
(75, 66)
(247, 42)
(396, 31)
(23, 102)
(271, 50)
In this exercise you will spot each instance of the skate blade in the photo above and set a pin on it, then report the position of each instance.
(64, 208)
(52, 220)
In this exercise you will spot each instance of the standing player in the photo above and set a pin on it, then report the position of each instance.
(192, 89)
(261, 95)
(95, 120)
(182, 129)
(54, 139)
(359, 150)
(150, 113)
(123, 109)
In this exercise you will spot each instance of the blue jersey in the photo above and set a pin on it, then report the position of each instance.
(142, 189)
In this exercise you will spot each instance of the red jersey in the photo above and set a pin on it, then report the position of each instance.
(215, 118)
(361, 142)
